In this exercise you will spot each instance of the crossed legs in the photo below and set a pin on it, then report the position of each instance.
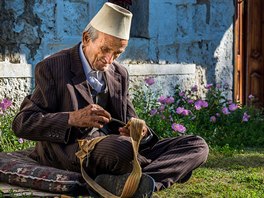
(170, 160)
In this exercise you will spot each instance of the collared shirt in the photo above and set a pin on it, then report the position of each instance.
(94, 78)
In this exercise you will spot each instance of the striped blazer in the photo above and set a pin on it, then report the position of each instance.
(61, 87)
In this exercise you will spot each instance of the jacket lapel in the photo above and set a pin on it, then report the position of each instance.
(79, 78)
(114, 86)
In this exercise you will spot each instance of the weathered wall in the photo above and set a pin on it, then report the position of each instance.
(188, 32)
(196, 35)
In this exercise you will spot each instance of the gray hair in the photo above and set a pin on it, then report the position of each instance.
(92, 32)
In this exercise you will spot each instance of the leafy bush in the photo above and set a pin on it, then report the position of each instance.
(8, 141)
(218, 120)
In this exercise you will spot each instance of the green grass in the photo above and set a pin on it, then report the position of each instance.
(226, 174)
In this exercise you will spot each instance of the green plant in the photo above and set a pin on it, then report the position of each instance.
(218, 120)
(8, 141)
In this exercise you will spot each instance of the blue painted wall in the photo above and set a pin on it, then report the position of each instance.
(164, 32)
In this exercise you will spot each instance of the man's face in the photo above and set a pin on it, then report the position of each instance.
(102, 51)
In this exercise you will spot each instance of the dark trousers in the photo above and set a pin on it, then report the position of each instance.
(170, 160)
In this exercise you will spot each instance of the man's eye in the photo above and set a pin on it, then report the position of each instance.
(104, 49)
(116, 55)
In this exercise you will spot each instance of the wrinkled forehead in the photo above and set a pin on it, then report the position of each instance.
(111, 41)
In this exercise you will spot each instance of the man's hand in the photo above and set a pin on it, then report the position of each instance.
(126, 130)
(91, 116)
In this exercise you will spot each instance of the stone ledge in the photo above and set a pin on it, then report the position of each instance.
(158, 69)
(10, 70)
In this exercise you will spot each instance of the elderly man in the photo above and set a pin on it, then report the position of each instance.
(77, 93)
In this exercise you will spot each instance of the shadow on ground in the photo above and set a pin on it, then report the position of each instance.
(236, 161)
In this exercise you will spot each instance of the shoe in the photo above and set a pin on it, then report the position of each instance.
(115, 184)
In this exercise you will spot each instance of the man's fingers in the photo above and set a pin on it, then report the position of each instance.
(103, 113)
(99, 111)
(97, 125)
(91, 116)
(101, 120)
(124, 131)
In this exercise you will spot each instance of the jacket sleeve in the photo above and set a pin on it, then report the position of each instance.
(38, 118)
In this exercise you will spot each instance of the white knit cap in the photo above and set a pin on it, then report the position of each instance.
(113, 20)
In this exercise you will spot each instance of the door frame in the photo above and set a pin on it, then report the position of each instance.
(249, 46)
(240, 46)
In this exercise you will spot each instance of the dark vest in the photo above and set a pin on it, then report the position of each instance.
(101, 98)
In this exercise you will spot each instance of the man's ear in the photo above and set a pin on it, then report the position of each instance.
(85, 38)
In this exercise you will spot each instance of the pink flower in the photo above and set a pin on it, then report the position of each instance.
(218, 85)
(153, 112)
(162, 99)
(233, 107)
(150, 81)
(169, 100)
(213, 119)
(5, 104)
(204, 104)
(190, 101)
(185, 112)
(245, 117)
(197, 105)
(179, 110)
(208, 86)
(182, 93)
(200, 103)
(225, 111)
(178, 128)
(182, 111)
(194, 88)
(20, 140)
(251, 97)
